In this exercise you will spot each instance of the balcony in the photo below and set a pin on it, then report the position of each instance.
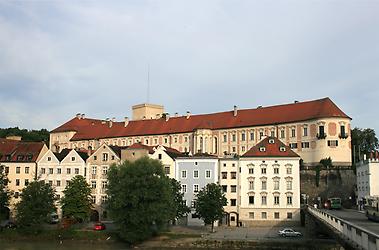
(321, 136)
(343, 136)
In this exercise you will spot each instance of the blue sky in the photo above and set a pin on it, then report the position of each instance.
(59, 58)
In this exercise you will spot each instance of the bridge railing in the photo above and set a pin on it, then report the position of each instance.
(360, 237)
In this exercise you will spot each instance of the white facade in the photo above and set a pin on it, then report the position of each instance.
(368, 178)
(168, 162)
(270, 190)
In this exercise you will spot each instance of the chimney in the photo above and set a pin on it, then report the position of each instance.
(188, 115)
(235, 110)
(157, 116)
(176, 114)
(167, 116)
(113, 119)
(82, 116)
(126, 121)
(296, 101)
(78, 115)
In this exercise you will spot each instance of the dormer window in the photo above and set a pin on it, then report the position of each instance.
(29, 157)
(282, 149)
(262, 149)
(271, 141)
(20, 157)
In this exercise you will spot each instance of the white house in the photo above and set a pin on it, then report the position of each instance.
(368, 177)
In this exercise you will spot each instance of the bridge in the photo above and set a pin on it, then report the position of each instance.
(350, 226)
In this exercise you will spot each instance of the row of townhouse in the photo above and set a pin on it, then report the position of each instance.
(314, 129)
(262, 186)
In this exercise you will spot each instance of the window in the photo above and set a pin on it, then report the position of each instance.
(58, 196)
(263, 170)
(49, 158)
(17, 182)
(196, 174)
(104, 198)
(276, 200)
(233, 175)
(93, 184)
(105, 170)
(94, 169)
(289, 215)
(251, 199)
(276, 215)
(272, 133)
(233, 149)
(243, 137)
(264, 200)
(68, 170)
(233, 137)
(207, 174)
(233, 202)
(251, 136)
(251, 215)
(76, 170)
(264, 185)
(243, 148)
(282, 135)
(196, 188)
(289, 185)
(184, 174)
(251, 170)
(160, 156)
(72, 158)
(321, 130)
(251, 185)
(167, 170)
(224, 188)
(264, 215)
(305, 131)
(225, 138)
(193, 203)
(94, 199)
(224, 175)
(147, 141)
(105, 156)
(276, 184)
(184, 188)
(332, 143)
(104, 184)
(260, 135)
(16, 194)
(26, 182)
(289, 170)
(26, 170)
(343, 132)
(293, 132)
(276, 170)
(58, 183)
(233, 188)
(18, 170)
(305, 145)
(113, 157)
(51, 183)
(94, 157)
(43, 171)
(59, 171)
(233, 164)
(289, 200)
(293, 145)
(262, 149)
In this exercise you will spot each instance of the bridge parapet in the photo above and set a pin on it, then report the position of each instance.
(356, 236)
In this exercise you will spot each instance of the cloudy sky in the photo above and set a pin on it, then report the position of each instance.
(59, 58)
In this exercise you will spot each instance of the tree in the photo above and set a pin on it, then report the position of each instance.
(364, 141)
(37, 202)
(140, 198)
(179, 204)
(5, 194)
(77, 202)
(27, 135)
(210, 203)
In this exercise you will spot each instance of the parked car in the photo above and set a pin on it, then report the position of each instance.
(99, 226)
(289, 232)
(7, 224)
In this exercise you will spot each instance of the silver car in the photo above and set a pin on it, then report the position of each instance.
(289, 232)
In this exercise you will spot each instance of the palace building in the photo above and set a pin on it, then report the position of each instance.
(312, 129)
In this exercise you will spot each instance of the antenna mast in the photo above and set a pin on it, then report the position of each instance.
(148, 82)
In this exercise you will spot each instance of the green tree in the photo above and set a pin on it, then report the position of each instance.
(140, 198)
(326, 162)
(210, 204)
(179, 203)
(27, 135)
(77, 202)
(5, 194)
(363, 142)
(37, 202)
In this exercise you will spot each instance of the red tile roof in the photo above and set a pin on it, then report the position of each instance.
(295, 112)
(139, 145)
(19, 151)
(270, 149)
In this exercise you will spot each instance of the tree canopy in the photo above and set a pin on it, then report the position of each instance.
(140, 198)
(77, 202)
(5, 194)
(179, 203)
(210, 204)
(37, 202)
(27, 135)
(363, 142)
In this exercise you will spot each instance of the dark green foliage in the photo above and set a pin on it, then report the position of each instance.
(179, 204)
(210, 203)
(318, 169)
(363, 141)
(140, 199)
(77, 202)
(37, 202)
(326, 163)
(27, 135)
(5, 194)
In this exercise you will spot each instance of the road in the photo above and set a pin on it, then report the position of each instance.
(355, 217)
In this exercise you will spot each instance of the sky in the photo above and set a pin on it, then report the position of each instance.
(59, 58)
